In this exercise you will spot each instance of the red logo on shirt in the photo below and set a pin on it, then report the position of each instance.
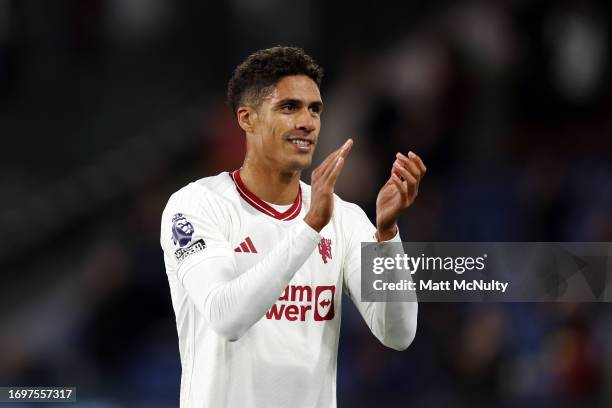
(298, 303)
(324, 303)
(325, 249)
(246, 246)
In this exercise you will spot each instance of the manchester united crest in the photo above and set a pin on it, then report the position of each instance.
(325, 249)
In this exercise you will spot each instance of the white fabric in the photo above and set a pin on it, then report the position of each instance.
(260, 328)
(278, 207)
(231, 304)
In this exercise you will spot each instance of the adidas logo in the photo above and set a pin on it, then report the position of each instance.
(246, 246)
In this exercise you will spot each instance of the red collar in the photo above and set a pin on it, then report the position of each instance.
(261, 205)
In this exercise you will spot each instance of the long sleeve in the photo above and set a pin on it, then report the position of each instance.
(230, 302)
(231, 305)
(393, 323)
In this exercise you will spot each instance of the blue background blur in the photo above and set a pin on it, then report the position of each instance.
(107, 107)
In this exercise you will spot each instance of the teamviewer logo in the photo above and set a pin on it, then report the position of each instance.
(301, 302)
(324, 303)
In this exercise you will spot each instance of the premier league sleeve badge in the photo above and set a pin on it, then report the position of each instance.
(182, 230)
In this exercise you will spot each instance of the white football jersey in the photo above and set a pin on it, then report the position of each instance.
(288, 357)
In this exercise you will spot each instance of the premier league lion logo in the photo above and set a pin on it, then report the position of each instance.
(182, 230)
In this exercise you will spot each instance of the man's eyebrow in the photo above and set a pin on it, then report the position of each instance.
(282, 102)
(318, 104)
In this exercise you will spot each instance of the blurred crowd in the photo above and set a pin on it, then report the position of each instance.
(107, 107)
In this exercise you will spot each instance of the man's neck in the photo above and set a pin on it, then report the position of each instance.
(273, 186)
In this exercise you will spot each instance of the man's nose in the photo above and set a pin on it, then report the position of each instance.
(306, 121)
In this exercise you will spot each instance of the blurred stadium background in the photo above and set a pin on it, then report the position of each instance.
(107, 107)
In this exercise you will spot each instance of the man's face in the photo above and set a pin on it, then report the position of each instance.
(287, 124)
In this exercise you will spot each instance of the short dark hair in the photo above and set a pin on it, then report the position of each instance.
(254, 78)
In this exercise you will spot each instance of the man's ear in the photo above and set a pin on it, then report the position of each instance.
(246, 118)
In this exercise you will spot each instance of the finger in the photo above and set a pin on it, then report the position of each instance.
(401, 186)
(346, 148)
(404, 173)
(413, 169)
(342, 152)
(346, 145)
(411, 165)
(323, 167)
(320, 170)
(415, 157)
(412, 183)
(331, 157)
(333, 176)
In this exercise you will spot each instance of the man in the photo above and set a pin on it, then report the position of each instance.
(257, 260)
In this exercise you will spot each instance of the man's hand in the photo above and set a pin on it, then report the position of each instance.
(322, 187)
(398, 193)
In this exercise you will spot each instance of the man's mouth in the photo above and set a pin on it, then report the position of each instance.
(301, 142)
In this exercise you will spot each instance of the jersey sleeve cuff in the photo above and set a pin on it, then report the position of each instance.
(396, 238)
(308, 232)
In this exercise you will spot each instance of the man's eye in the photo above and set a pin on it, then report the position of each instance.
(315, 109)
(289, 107)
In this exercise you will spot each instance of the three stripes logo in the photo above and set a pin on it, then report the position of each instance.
(246, 246)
